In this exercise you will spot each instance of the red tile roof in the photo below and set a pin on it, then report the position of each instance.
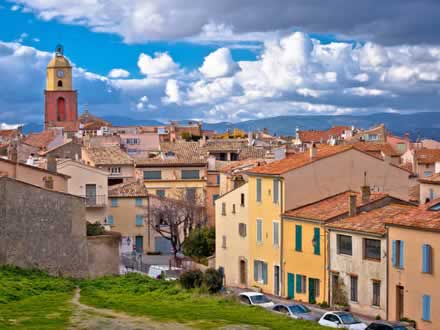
(434, 179)
(418, 218)
(68, 126)
(377, 148)
(372, 221)
(129, 189)
(427, 156)
(39, 140)
(331, 207)
(8, 133)
(322, 136)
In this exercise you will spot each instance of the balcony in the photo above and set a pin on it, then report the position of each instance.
(96, 200)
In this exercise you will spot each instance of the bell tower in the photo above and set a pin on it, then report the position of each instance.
(60, 99)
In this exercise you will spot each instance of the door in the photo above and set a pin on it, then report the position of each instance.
(290, 286)
(312, 291)
(163, 245)
(276, 272)
(139, 244)
(91, 194)
(399, 302)
(243, 273)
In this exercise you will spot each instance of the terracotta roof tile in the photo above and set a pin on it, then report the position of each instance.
(242, 165)
(414, 193)
(39, 140)
(377, 148)
(322, 136)
(418, 218)
(434, 179)
(68, 126)
(372, 221)
(128, 189)
(8, 133)
(427, 156)
(331, 207)
(108, 156)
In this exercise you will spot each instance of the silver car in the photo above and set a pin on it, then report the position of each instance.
(297, 311)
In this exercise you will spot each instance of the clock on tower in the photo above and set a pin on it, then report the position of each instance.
(60, 100)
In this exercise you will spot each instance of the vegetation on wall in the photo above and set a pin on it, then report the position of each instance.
(200, 243)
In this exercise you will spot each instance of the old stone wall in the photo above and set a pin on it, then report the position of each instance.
(103, 255)
(42, 229)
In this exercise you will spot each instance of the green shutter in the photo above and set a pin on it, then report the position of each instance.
(317, 240)
(298, 283)
(264, 273)
(290, 286)
(298, 238)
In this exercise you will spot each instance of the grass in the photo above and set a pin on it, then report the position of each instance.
(33, 300)
(165, 301)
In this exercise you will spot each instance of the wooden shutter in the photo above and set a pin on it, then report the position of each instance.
(317, 239)
(426, 308)
(401, 254)
(298, 238)
(298, 283)
(276, 190)
(426, 258)
(258, 189)
(394, 253)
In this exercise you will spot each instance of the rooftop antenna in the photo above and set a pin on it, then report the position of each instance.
(86, 109)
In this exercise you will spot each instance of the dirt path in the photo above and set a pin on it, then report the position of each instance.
(91, 318)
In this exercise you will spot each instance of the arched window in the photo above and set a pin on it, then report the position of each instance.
(60, 83)
(61, 109)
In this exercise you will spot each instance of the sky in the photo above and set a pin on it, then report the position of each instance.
(229, 60)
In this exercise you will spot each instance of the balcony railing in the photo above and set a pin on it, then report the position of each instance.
(96, 200)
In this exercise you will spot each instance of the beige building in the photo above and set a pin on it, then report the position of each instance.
(429, 188)
(116, 162)
(232, 242)
(414, 267)
(89, 182)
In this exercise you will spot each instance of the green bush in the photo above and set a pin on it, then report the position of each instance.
(95, 229)
(213, 280)
(200, 243)
(191, 279)
(324, 304)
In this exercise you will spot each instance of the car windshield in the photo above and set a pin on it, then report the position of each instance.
(260, 299)
(348, 318)
(299, 309)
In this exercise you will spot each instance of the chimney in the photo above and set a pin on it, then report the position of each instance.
(51, 163)
(202, 141)
(12, 152)
(312, 151)
(365, 194)
(352, 205)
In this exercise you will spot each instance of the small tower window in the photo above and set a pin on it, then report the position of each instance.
(60, 83)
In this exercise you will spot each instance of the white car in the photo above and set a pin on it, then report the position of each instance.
(256, 299)
(341, 320)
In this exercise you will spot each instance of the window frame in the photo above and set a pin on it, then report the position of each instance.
(259, 231)
(114, 202)
(276, 240)
(139, 220)
(190, 174)
(376, 286)
(242, 229)
(139, 201)
(338, 245)
(354, 289)
(365, 249)
(153, 177)
(259, 190)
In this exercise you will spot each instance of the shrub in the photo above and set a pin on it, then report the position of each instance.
(213, 280)
(200, 243)
(191, 279)
(324, 304)
(378, 317)
(95, 229)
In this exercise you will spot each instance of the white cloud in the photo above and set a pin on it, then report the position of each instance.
(161, 65)
(218, 64)
(172, 92)
(118, 73)
(9, 126)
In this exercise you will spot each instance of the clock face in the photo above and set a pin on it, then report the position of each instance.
(60, 73)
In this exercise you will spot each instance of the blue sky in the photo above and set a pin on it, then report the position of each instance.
(223, 61)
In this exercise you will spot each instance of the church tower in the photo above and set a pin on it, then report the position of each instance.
(60, 100)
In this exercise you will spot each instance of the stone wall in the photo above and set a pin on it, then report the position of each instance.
(103, 255)
(42, 229)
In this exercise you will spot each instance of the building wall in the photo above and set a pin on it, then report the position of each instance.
(70, 150)
(49, 233)
(365, 270)
(341, 172)
(237, 247)
(415, 283)
(103, 254)
(425, 192)
(212, 190)
(267, 211)
(33, 175)
(425, 170)
(306, 262)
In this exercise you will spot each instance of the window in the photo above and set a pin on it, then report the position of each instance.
(376, 293)
(298, 238)
(223, 208)
(160, 193)
(224, 242)
(260, 271)
(132, 141)
(276, 233)
(426, 308)
(354, 288)
(114, 202)
(60, 83)
(258, 189)
(218, 179)
(332, 318)
(316, 241)
(259, 231)
(190, 174)
(191, 194)
(214, 198)
(314, 282)
(344, 244)
(139, 220)
(233, 208)
(138, 201)
(431, 194)
(301, 283)
(115, 170)
(427, 173)
(242, 229)
(397, 253)
(426, 258)
(372, 249)
(276, 190)
(242, 200)
(110, 220)
(152, 175)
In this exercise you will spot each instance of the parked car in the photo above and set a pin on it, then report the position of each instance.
(341, 320)
(256, 299)
(382, 325)
(296, 311)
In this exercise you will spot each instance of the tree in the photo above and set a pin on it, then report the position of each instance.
(174, 219)
(200, 243)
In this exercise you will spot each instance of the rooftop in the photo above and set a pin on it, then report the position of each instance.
(68, 126)
(417, 218)
(372, 221)
(331, 207)
(40, 140)
(111, 155)
(428, 156)
(434, 179)
(322, 136)
(128, 189)
(242, 165)
(377, 149)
